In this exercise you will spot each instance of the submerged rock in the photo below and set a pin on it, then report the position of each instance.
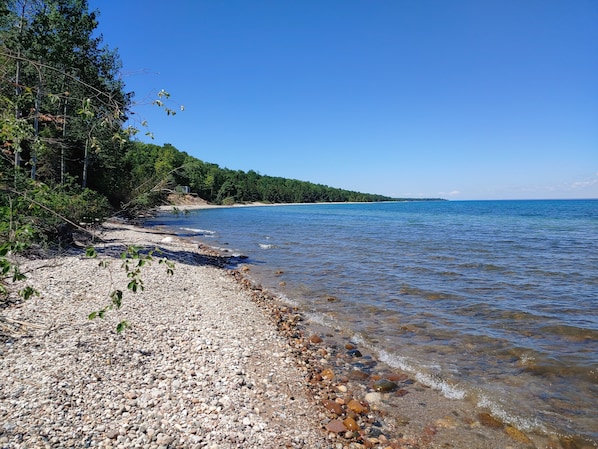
(486, 419)
(517, 435)
(385, 386)
(315, 339)
(357, 374)
(373, 397)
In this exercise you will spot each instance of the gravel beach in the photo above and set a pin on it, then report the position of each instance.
(209, 361)
(201, 365)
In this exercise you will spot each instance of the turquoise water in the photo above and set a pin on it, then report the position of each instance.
(494, 302)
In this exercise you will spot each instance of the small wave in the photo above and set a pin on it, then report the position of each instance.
(402, 363)
(199, 231)
(322, 319)
(521, 423)
(284, 298)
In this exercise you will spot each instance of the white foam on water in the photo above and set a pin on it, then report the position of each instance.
(448, 390)
(321, 319)
(284, 298)
(266, 246)
(431, 380)
(497, 410)
(199, 231)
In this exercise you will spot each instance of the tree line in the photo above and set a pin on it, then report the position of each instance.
(176, 169)
(68, 149)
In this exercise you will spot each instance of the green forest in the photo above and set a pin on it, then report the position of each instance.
(69, 151)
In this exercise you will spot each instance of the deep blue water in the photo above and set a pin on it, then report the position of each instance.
(495, 302)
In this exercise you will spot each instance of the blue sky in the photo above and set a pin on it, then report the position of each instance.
(477, 99)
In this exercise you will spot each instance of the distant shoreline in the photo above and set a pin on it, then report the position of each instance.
(200, 205)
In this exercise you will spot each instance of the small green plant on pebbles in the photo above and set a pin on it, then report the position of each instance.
(133, 260)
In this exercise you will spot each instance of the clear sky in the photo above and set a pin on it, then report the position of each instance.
(463, 99)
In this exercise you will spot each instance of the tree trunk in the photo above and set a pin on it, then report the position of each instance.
(85, 163)
(62, 148)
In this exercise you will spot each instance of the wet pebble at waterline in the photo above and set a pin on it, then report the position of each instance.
(368, 405)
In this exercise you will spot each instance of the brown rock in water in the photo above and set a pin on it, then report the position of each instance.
(486, 419)
(315, 339)
(517, 435)
(357, 374)
(385, 386)
(395, 377)
(357, 407)
(349, 346)
(402, 392)
(350, 424)
(336, 426)
(333, 407)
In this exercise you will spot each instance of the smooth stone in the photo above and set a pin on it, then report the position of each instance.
(354, 353)
(164, 440)
(385, 385)
(356, 407)
(397, 377)
(336, 426)
(333, 407)
(357, 374)
(373, 397)
(315, 339)
(351, 424)
(327, 374)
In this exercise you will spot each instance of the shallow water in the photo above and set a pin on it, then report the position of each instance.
(494, 302)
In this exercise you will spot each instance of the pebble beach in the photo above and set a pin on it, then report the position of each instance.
(209, 361)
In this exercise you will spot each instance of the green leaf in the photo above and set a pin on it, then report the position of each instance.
(5, 266)
(117, 298)
(17, 275)
(92, 315)
(4, 249)
(28, 292)
(122, 326)
(91, 252)
(132, 286)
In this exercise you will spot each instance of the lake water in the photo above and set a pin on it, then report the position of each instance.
(494, 302)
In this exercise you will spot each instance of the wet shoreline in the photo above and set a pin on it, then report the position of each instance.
(395, 408)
